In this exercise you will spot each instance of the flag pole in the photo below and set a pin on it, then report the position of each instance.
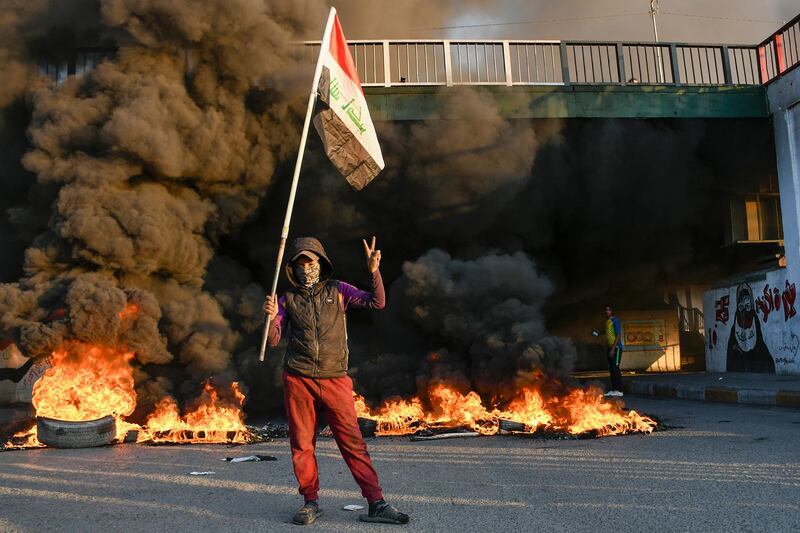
(326, 36)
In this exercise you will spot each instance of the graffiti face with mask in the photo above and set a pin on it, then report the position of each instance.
(747, 351)
(745, 328)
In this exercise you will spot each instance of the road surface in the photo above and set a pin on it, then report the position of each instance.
(724, 467)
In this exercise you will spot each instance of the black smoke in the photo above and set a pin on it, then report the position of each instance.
(159, 180)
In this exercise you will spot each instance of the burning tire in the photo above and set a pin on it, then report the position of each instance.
(367, 426)
(63, 434)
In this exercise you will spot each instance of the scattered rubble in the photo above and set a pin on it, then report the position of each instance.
(353, 507)
(250, 458)
(429, 435)
(269, 431)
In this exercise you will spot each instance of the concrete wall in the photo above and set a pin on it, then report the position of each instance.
(752, 325)
(574, 101)
(652, 340)
(784, 103)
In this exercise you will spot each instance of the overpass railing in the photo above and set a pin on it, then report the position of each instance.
(479, 62)
(485, 62)
(780, 52)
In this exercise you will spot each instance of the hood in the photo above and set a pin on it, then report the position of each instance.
(308, 244)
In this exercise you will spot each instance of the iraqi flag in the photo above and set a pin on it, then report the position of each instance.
(342, 118)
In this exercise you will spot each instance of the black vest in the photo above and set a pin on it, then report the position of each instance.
(317, 332)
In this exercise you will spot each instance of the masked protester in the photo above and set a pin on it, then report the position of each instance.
(312, 316)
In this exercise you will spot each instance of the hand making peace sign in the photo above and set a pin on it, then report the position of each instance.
(373, 255)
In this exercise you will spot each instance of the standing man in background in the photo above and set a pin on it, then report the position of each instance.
(614, 355)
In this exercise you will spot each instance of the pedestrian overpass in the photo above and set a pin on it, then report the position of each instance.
(568, 79)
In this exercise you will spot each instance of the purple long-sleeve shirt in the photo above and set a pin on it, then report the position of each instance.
(351, 297)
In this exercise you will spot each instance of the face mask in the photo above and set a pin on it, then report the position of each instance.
(307, 275)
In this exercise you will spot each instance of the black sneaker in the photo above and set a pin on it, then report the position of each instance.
(380, 511)
(307, 514)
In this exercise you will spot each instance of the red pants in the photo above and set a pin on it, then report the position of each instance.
(307, 398)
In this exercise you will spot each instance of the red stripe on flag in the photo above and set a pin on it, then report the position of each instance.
(341, 53)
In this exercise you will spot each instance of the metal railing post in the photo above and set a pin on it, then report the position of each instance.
(387, 69)
(564, 63)
(726, 66)
(660, 78)
(763, 74)
(673, 59)
(507, 63)
(448, 64)
(621, 64)
(780, 59)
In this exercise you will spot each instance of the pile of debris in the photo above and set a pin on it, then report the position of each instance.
(269, 431)
(563, 412)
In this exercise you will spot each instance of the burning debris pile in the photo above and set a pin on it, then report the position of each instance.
(482, 324)
(87, 382)
(210, 421)
(577, 412)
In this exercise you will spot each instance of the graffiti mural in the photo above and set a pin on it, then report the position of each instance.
(787, 349)
(754, 325)
(722, 312)
(747, 351)
(772, 299)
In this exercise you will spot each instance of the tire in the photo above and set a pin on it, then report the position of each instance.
(64, 434)
(367, 426)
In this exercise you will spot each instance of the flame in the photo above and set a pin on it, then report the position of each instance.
(450, 407)
(590, 411)
(212, 420)
(578, 411)
(393, 417)
(89, 381)
(25, 439)
(86, 382)
(131, 310)
(529, 408)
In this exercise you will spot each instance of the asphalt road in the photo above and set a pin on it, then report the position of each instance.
(726, 467)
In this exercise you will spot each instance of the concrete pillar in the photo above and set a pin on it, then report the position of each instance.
(784, 103)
